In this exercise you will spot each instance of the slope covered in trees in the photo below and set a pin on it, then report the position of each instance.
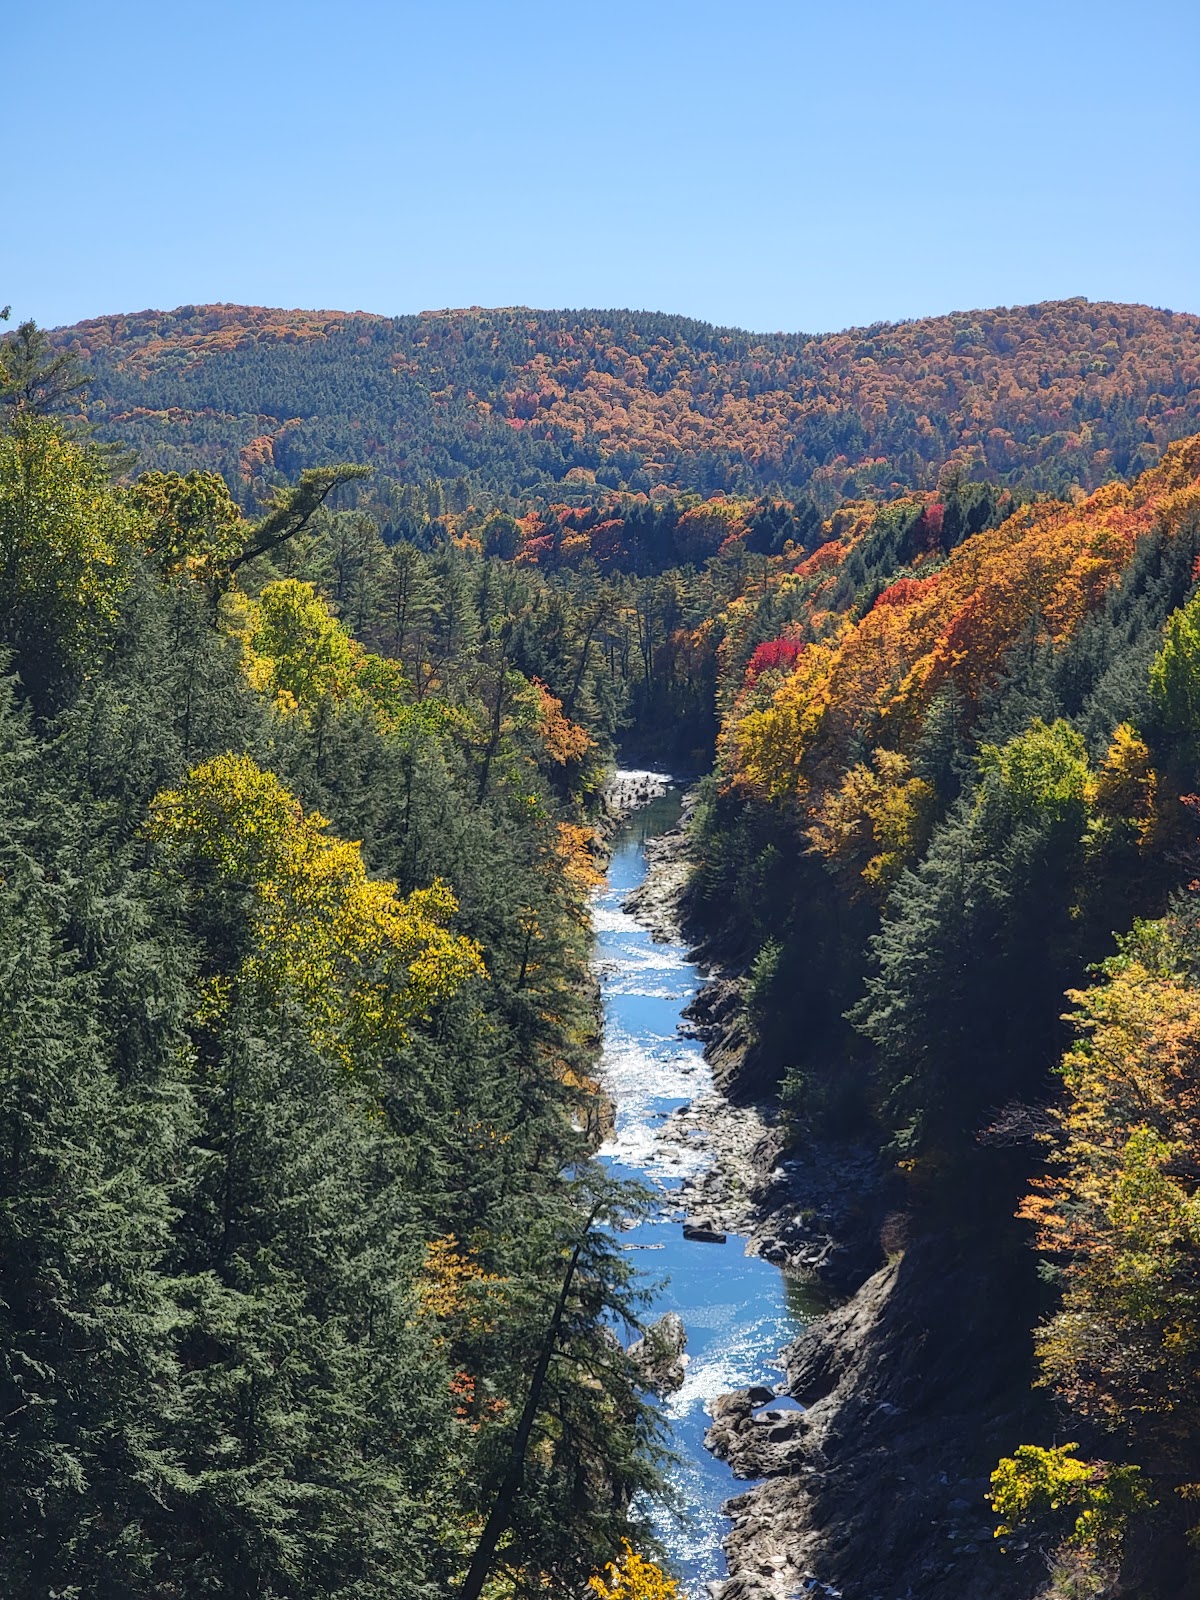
(296, 1036)
(506, 404)
(951, 764)
(297, 831)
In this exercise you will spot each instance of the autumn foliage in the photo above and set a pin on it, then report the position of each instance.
(774, 655)
(1117, 1209)
(1035, 576)
(357, 961)
(1045, 394)
(632, 1577)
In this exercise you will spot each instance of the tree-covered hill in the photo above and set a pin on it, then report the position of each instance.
(295, 1129)
(307, 1282)
(951, 847)
(515, 403)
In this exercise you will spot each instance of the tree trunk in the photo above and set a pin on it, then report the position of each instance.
(497, 1522)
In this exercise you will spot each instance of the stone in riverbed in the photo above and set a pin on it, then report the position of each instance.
(658, 1354)
(703, 1231)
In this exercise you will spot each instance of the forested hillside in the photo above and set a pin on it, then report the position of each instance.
(955, 799)
(296, 1035)
(299, 789)
(500, 406)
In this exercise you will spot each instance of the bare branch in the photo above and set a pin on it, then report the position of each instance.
(1019, 1123)
(294, 509)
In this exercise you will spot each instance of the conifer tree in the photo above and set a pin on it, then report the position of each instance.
(93, 1117)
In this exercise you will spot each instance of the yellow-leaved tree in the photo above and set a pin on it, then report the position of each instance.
(193, 525)
(66, 543)
(355, 960)
(632, 1577)
(1118, 1213)
(299, 653)
(876, 821)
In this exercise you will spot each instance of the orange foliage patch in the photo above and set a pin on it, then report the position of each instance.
(1044, 568)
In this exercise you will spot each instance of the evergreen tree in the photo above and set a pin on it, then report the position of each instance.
(93, 1117)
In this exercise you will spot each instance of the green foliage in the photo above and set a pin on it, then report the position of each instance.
(1175, 676)
(292, 508)
(764, 976)
(257, 1080)
(195, 527)
(994, 891)
(66, 541)
(1041, 772)
(35, 377)
(92, 1126)
(1052, 751)
(1116, 1211)
(249, 1071)
(300, 652)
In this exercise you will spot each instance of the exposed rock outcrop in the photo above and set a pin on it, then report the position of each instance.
(875, 1452)
(912, 1390)
(628, 791)
(657, 901)
(659, 1354)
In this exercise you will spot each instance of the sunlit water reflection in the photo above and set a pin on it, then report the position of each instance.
(735, 1307)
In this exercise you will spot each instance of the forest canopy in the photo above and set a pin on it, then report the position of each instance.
(307, 713)
(296, 1051)
(505, 405)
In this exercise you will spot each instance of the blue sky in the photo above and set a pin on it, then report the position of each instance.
(775, 164)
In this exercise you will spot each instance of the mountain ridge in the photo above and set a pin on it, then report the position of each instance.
(336, 314)
(516, 402)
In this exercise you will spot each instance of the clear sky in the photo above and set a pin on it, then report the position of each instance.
(775, 164)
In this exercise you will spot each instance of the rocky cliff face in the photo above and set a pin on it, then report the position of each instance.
(875, 1453)
(911, 1391)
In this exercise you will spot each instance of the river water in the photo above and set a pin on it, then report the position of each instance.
(739, 1310)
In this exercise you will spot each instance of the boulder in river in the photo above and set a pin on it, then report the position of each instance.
(703, 1231)
(756, 1441)
(627, 792)
(658, 1354)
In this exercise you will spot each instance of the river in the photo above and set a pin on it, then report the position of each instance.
(739, 1311)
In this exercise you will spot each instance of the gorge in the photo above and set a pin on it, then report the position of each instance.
(313, 1135)
(738, 1311)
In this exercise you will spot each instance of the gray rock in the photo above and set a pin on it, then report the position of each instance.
(703, 1231)
(627, 791)
(867, 1489)
(756, 1442)
(658, 1354)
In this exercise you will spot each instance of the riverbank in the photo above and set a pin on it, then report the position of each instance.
(817, 1213)
(737, 1311)
(899, 1400)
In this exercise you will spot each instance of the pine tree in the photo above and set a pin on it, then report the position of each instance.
(316, 1420)
(92, 1120)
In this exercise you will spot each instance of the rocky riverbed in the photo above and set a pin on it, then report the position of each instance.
(735, 1311)
(626, 791)
(818, 1213)
(871, 1456)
